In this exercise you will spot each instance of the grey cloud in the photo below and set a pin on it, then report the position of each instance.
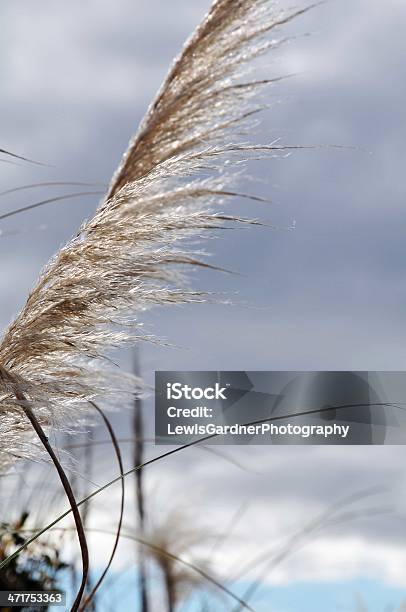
(76, 80)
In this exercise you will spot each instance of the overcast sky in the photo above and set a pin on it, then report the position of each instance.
(330, 294)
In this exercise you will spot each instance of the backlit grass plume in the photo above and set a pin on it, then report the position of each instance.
(173, 538)
(127, 257)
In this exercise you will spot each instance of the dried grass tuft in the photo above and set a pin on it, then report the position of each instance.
(176, 171)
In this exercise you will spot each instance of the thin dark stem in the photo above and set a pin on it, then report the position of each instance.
(88, 462)
(139, 448)
(90, 597)
(73, 480)
(51, 184)
(26, 159)
(17, 211)
(170, 590)
(69, 494)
